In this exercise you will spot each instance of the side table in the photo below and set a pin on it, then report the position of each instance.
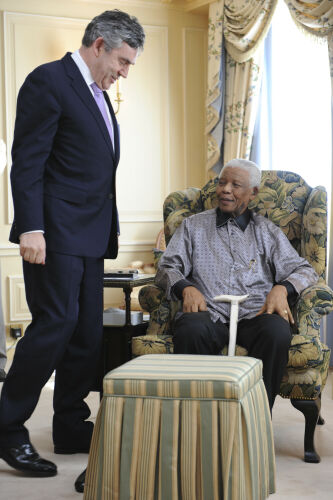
(117, 339)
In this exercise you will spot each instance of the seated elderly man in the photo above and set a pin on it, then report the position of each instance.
(233, 251)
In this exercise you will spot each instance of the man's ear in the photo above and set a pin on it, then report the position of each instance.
(255, 191)
(97, 45)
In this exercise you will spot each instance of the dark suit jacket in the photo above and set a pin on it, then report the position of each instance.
(64, 166)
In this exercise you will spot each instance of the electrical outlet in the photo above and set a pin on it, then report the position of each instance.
(16, 331)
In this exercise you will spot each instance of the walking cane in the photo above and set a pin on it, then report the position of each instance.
(234, 300)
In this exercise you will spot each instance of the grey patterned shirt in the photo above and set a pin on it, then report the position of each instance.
(232, 260)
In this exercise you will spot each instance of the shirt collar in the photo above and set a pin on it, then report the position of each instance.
(84, 70)
(241, 221)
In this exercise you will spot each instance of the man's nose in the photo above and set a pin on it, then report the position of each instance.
(226, 188)
(124, 72)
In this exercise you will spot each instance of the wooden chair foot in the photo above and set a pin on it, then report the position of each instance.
(310, 410)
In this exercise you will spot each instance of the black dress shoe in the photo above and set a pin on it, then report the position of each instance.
(2, 375)
(79, 483)
(26, 459)
(70, 450)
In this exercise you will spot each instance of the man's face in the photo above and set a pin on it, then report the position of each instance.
(107, 67)
(234, 192)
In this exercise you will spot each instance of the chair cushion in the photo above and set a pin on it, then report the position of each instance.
(163, 344)
(152, 344)
(185, 376)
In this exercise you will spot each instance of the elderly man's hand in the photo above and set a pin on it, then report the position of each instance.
(276, 301)
(193, 300)
(33, 248)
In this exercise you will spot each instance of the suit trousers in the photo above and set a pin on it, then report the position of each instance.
(3, 354)
(65, 298)
(266, 337)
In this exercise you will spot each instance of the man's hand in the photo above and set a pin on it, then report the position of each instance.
(276, 301)
(193, 300)
(33, 248)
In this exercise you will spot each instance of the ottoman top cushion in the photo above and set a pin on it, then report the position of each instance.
(184, 376)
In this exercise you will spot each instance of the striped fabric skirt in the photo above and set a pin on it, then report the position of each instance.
(183, 427)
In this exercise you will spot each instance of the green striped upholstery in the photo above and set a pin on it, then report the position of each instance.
(184, 376)
(183, 427)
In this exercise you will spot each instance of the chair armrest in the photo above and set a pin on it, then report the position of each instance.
(162, 311)
(150, 297)
(313, 303)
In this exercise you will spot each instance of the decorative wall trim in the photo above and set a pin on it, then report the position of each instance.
(18, 309)
(179, 5)
(125, 246)
(200, 35)
(9, 250)
(155, 164)
(10, 21)
(131, 216)
(136, 246)
(196, 4)
(9, 123)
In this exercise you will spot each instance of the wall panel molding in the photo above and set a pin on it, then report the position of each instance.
(194, 97)
(8, 250)
(21, 58)
(136, 164)
(136, 246)
(143, 176)
(141, 216)
(18, 308)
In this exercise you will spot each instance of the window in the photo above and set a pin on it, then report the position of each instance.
(296, 97)
(301, 97)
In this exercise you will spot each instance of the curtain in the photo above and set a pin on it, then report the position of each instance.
(231, 110)
(316, 16)
(245, 24)
(328, 333)
(242, 89)
(215, 87)
(262, 140)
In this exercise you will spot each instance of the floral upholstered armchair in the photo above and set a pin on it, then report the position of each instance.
(301, 213)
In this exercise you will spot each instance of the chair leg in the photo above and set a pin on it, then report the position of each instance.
(320, 421)
(310, 410)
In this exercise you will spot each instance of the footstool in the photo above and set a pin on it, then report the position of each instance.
(183, 427)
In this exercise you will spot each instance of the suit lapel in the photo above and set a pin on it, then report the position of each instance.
(80, 87)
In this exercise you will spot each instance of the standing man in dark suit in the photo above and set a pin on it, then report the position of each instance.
(65, 153)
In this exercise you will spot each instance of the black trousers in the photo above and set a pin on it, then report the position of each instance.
(65, 298)
(266, 337)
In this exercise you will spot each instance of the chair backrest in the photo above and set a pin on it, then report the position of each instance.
(284, 197)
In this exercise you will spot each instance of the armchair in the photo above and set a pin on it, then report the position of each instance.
(301, 213)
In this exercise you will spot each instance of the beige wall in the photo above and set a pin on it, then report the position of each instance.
(161, 118)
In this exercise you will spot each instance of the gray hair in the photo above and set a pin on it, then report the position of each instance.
(250, 167)
(115, 27)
